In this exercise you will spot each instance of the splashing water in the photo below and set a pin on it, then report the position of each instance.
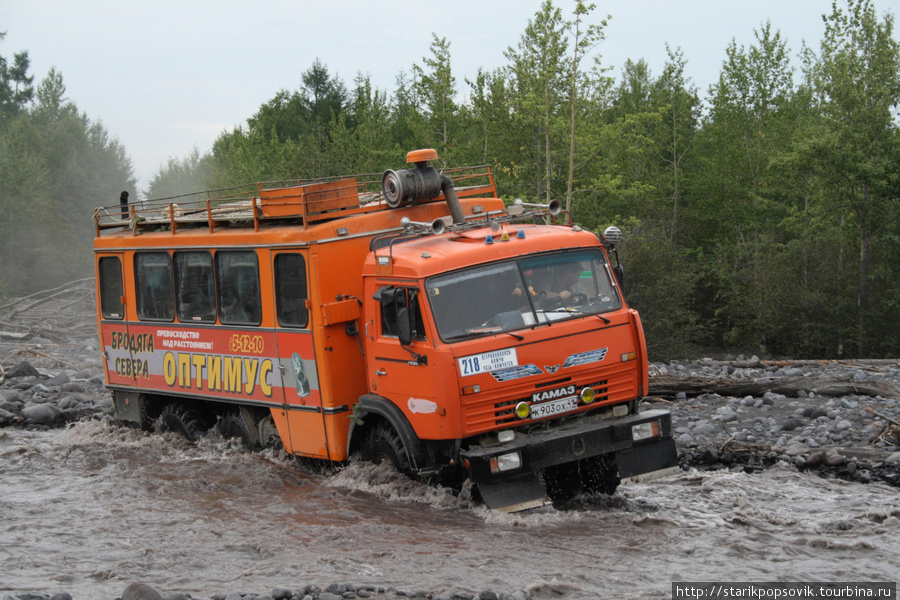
(93, 507)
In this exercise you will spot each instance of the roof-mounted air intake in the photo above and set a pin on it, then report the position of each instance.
(421, 183)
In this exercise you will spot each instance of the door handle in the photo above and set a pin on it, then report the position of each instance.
(380, 372)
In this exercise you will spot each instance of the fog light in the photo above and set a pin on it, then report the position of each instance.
(523, 410)
(506, 462)
(587, 395)
(643, 431)
(620, 411)
(507, 435)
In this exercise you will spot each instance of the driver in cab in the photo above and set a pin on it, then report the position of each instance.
(555, 285)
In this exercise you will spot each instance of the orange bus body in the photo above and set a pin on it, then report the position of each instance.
(324, 312)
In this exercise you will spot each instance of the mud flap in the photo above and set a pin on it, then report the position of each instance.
(647, 462)
(129, 407)
(518, 492)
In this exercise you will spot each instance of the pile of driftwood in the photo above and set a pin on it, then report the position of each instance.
(667, 386)
(60, 314)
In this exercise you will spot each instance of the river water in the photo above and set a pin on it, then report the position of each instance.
(93, 507)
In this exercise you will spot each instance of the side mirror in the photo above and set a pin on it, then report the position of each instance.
(393, 302)
(404, 327)
(619, 272)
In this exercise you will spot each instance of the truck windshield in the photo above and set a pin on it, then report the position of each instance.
(521, 293)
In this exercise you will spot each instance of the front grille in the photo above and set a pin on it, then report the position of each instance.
(484, 412)
(506, 411)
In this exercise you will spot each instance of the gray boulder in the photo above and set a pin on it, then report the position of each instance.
(23, 369)
(41, 414)
(140, 591)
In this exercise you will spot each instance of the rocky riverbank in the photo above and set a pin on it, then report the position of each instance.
(842, 419)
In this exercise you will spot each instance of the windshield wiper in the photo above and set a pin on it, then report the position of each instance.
(478, 331)
(575, 310)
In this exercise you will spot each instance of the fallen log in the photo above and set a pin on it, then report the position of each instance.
(15, 335)
(670, 385)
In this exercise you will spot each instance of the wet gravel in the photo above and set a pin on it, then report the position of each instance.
(851, 436)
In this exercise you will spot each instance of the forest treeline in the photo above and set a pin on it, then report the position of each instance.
(56, 166)
(760, 215)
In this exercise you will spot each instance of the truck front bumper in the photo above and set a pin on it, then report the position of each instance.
(508, 474)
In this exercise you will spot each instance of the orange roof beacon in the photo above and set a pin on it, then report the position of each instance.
(354, 316)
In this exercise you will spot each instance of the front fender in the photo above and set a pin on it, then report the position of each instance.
(384, 408)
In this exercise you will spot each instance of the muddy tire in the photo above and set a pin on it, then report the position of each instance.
(232, 425)
(184, 419)
(597, 475)
(602, 476)
(384, 444)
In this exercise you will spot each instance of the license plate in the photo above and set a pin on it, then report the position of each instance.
(554, 407)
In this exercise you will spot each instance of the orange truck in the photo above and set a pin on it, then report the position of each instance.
(411, 317)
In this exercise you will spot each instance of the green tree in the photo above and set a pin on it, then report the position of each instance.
(436, 89)
(680, 119)
(742, 199)
(16, 89)
(585, 38)
(537, 80)
(370, 111)
(325, 97)
(405, 120)
(633, 173)
(855, 84)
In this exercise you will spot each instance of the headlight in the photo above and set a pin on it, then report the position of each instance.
(643, 431)
(506, 462)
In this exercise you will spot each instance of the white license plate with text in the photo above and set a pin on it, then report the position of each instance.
(554, 407)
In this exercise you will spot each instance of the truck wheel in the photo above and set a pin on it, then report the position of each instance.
(592, 475)
(183, 419)
(231, 425)
(601, 475)
(384, 443)
(268, 433)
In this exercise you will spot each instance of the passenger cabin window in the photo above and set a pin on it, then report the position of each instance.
(111, 305)
(153, 279)
(290, 290)
(392, 301)
(238, 278)
(195, 287)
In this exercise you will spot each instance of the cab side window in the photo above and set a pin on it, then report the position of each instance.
(111, 306)
(195, 287)
(392, 301)
(291, 291)
(153, 280)
(237, 273)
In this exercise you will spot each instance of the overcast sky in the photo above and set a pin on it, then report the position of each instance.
(166, 76)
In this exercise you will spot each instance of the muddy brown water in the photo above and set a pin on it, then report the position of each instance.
(93, 507)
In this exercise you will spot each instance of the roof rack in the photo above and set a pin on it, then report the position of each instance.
(295, 201)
